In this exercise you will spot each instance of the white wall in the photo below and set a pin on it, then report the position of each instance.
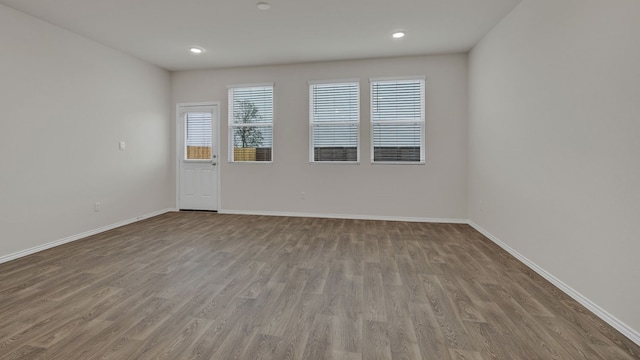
(434, 190)
(65, 102)
(554, 149)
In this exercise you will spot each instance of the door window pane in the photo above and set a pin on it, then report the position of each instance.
(198, 136)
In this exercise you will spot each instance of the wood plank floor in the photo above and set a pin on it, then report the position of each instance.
(210, 286)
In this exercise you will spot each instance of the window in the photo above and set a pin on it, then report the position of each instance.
(397, 120)
(334, 119)
(197, 136)
(251, 123)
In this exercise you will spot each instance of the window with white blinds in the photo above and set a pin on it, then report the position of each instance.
(334, 121)
(250, 123)
(398, 120)
(197, 136)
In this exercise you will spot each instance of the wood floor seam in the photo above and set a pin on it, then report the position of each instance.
(194, 285)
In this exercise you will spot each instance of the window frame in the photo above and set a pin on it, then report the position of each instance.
(232, 125)
(421, 122)
(312, 122)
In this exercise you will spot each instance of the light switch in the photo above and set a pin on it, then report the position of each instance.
(123, 145)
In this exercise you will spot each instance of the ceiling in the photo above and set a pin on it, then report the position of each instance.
(237, 33)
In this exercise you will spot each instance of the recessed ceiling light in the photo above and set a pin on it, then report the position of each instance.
(263, 6)
(196, 50)
(398, 34)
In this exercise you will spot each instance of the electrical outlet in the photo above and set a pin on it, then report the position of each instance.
(122, 145)
(303, 195)
(97, 206)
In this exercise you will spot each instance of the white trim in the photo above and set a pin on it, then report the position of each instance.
(398, 78)
(219, 157)
(254, 85)
(398, 162)
(80, 236)
(196, 105)
(334, 162)
(625, 329)
(614, 322)
(194, 108)
(336, 81)
(343, 216)
(233, 163)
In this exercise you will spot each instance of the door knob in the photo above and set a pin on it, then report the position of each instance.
(214, 163)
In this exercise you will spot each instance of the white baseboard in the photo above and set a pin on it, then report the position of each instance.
(625, 329)
(83, 235)
(344, 216)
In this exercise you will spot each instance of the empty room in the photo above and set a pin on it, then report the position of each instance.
(280, 179)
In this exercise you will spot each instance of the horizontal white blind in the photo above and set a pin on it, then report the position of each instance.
(335, 135)
(334, 121)
(396, 135)
(397, 116)
(251, 123)
(397, 100)
(198, 129)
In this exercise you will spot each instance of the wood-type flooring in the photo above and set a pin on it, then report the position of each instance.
(194, 285)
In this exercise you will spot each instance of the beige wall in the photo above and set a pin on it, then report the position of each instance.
(554, 155)
(65, 104)
(434, 190)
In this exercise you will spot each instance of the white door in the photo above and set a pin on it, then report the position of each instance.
(198, 157)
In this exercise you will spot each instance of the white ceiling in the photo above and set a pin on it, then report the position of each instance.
(236, 33)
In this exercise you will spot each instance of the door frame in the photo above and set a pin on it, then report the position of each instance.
(180, 138)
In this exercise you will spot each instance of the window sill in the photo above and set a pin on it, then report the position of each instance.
(398, 163)
(334, 162)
